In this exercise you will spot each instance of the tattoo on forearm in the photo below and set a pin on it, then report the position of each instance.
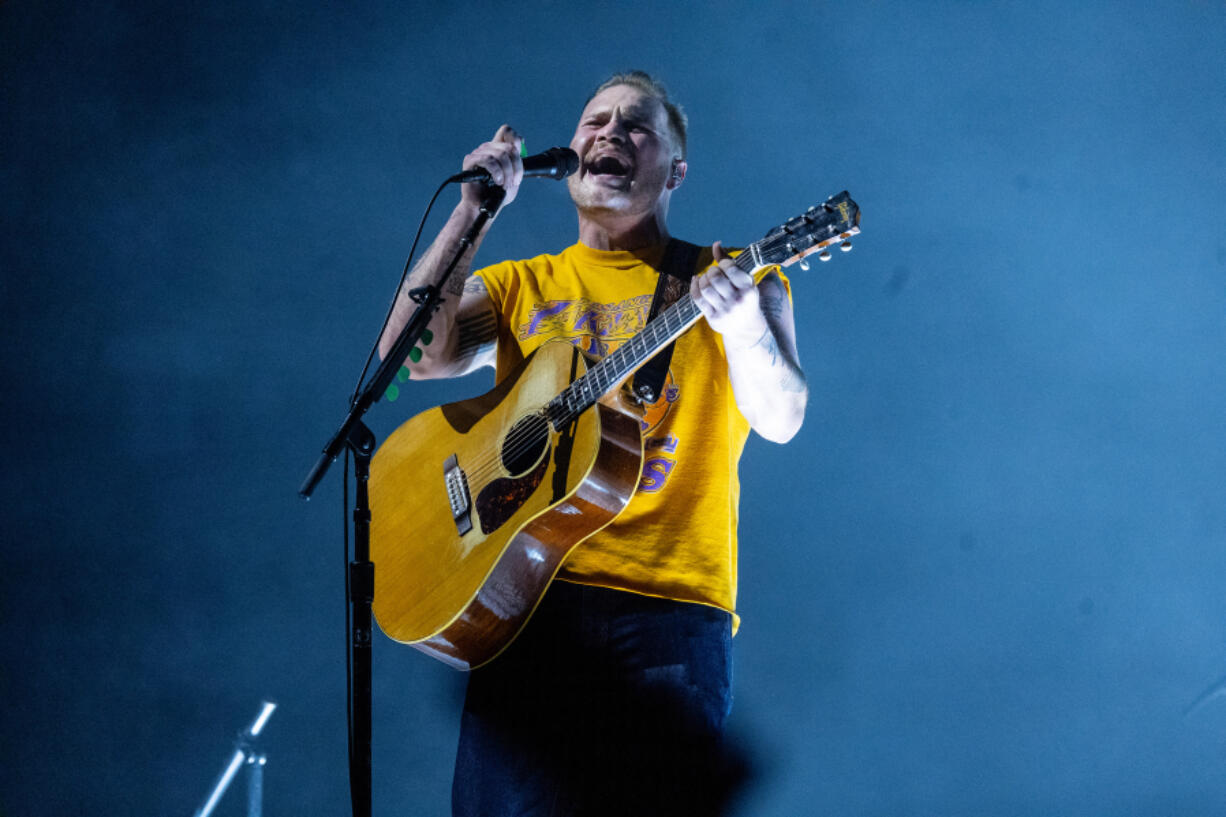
(474, 333)
(772, 306)
(772, 298)
(767, 341)
(455, 284)
(792, 380)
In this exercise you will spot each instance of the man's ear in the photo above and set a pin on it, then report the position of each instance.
(678, 174)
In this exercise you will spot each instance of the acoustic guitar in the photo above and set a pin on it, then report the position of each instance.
(476, 504)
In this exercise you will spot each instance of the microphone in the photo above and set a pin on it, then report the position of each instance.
(555, 163)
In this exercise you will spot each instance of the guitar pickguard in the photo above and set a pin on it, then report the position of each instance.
(501, 498)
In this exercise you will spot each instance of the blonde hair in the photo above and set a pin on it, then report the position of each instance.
(645, 82)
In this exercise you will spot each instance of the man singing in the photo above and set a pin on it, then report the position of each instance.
(613, 698)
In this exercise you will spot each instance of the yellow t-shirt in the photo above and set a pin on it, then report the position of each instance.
(677, 536)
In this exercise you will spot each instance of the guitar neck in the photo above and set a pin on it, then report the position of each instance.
(821, 226)
(627, 358)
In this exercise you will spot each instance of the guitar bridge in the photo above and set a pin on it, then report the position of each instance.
(458, 495)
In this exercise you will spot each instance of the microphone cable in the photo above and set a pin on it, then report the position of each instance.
(404, 276)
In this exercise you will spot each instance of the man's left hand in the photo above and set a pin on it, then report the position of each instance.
(728, 298)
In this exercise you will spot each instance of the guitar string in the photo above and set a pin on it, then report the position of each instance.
(592, 385)
(639, 350)
(586, 390)
(531, 436)
(623, 361)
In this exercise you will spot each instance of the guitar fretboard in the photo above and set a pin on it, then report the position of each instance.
(619, 364)
(836, 219)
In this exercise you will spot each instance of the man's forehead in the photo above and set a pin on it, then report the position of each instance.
(630, 99)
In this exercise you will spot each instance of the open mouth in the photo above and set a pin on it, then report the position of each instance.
(609, 166)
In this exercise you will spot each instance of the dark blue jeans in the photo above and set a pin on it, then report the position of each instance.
(607, 703)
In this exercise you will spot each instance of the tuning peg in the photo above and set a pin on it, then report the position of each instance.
(804, 264)
(845, 246)
(824, 255)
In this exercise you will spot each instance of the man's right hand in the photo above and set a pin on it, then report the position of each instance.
(500, 158)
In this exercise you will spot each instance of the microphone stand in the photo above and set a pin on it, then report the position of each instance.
(360, 577)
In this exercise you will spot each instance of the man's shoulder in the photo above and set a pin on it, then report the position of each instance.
(536, 263)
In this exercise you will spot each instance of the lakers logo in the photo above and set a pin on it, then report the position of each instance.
(657, 411)
(659, 453)
(597, 329)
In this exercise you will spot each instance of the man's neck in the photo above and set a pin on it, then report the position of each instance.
(609, 231)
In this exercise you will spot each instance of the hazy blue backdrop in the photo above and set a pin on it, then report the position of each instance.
(987, 577)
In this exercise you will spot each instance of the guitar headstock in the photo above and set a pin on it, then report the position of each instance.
(834, 221)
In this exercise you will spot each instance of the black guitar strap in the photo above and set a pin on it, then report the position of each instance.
(676, 270)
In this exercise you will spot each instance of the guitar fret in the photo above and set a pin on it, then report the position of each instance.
(668, 325)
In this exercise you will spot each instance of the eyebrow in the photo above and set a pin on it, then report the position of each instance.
(640, 113)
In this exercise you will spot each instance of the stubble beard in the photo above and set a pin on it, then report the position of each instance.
(597, 201)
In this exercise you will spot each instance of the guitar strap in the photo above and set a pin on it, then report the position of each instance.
(676, 270)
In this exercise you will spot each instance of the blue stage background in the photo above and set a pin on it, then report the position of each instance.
(987, 577)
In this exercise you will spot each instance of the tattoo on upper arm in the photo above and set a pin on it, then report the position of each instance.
(473, 334)
(475, 283)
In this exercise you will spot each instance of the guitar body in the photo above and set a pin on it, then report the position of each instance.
(476, 504)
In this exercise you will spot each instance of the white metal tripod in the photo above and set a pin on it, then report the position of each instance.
(245, 753)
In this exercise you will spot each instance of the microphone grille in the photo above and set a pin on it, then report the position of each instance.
(567, 161)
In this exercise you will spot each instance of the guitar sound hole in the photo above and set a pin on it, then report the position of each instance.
(524, 444)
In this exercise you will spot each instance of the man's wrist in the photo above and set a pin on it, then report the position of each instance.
(747, 338)
(466, 210)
